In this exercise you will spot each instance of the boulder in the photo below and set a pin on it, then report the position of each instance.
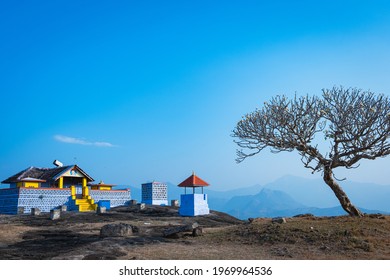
(133, 202)
(55, 214)
(35, 211)
(197, 232)
(377, 216)
(176, 229)
(304, 215)
(174, 203)
(20, 210)
(279, 220)
(101, 210)
(117, 230)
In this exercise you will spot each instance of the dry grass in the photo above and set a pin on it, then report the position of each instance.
(315, 238)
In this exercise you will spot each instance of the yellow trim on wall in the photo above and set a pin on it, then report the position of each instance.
(27, 184)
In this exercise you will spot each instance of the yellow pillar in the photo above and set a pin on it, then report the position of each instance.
(73, 192)
(85, 188)
(85, 192)
(61, 182)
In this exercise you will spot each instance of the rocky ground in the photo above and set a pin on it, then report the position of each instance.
(78, 236)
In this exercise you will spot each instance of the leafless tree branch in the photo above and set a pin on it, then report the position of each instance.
(356, 122)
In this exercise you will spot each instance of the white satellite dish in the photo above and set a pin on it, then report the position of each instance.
(58, 163)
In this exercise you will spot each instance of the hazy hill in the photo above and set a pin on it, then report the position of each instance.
(288, 196)
(315, 193)
(266, 203)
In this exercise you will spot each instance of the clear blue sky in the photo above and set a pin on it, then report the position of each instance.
(134, 91)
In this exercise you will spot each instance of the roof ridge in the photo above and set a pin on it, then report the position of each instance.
(57, 167)
(24, 172)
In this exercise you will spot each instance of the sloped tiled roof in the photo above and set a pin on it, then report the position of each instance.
(193, 181)
(70, 167)
(46, 174)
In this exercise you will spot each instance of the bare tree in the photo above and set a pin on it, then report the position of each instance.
(356, 123)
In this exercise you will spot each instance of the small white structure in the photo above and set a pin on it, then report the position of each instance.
(193, 204)
(155, 193)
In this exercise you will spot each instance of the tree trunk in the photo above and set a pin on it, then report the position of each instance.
(340, 194)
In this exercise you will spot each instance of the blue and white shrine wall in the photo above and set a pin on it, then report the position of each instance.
(193, 205)
(116, 197)
(47, 199)
(9, 201)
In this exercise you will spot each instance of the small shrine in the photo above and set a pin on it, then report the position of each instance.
(194, 204)
(155, 193)
(51, 188)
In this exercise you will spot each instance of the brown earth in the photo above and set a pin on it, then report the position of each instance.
(77, 236)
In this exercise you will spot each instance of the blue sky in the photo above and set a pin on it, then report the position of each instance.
(134, 91)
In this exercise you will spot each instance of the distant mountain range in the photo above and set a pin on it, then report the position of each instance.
(274, 203)
(289, 196)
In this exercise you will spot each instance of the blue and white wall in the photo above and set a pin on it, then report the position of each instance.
(43, 198)
(47, 199)
(193, 205)
(116, 197)
(9, 201)
(155, 193)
